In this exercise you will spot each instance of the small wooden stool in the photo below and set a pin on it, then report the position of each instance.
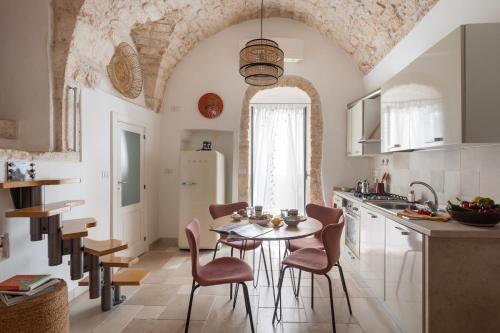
(47, 312)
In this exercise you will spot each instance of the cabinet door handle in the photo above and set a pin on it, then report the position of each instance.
(355, 209)
(403, 231)
(439, 139)
(373, 216)
(397, 145)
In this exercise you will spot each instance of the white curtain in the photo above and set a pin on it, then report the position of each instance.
(278, 156)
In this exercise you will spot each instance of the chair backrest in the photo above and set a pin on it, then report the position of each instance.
(325, 215)
(227, 209)
(193, 236)
(331, 241)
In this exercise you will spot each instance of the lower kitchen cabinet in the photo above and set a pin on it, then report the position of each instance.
(372, 251)
(404, 275)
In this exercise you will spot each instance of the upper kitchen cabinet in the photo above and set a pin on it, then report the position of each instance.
(363, 126)
(448, 95)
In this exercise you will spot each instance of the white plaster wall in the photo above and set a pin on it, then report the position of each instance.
(446, 16)
(31, 257)
(213, 67)
(24, 72)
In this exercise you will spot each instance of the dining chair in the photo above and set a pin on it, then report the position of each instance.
(315, 261)
(219, 271)
(326, 216)
(221, 210)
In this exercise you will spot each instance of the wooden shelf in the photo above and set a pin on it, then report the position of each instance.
(38, 182)
(103, 247)
(115, 261)
(77, 228)
(129, 277)
(45, 210)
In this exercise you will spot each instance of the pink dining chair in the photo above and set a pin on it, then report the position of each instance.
(326, 216)
(315, 261)
(221, 210)
(219, 271)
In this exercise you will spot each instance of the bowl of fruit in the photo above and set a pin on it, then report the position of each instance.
(479, 212)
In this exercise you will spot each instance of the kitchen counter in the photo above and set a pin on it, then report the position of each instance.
(451, 228)
(448, 284)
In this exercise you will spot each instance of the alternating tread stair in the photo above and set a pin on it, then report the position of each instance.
(77, 228)
(66, 237)
(46, 210)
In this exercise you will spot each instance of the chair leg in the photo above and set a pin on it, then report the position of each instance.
(344, 287)
(236, 289)
(278, 299)
(331, 302)
(231, 285)
(298, 284)
(312, 291)
(265, 265)
(215, 249)
(193, 289)
(247, 304)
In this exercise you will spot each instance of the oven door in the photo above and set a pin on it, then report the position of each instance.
(352, 233)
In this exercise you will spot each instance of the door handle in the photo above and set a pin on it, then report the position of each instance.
(188, 183)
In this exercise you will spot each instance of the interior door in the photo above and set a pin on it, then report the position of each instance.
(128, 185)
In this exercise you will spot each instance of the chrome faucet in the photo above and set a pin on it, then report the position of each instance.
(433, 206)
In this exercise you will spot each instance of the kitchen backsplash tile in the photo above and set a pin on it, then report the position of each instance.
(457, 172)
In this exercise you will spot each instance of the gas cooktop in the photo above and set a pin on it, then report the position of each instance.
(380, 197)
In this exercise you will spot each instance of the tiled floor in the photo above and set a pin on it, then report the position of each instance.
(160, 304)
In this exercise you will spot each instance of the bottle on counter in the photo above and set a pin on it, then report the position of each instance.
(411, 196)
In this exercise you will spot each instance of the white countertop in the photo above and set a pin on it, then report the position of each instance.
(431, 228)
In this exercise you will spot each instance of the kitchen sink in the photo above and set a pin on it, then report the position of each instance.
(395, 207)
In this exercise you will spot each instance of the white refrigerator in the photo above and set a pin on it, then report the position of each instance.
(201, 183)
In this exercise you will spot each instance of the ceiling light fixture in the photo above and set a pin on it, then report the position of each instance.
(261, 60)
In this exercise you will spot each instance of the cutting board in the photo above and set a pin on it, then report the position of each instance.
(411, 215)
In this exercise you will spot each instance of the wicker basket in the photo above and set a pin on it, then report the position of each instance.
(46, 313)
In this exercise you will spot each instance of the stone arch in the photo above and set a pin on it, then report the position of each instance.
(315, 180)
(164, 31)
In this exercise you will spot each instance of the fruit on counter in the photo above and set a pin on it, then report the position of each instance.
(276, 221)
(478, 204)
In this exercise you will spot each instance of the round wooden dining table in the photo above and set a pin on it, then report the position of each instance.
(283, 233)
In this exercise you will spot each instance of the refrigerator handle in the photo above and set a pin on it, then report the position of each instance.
(188, 183)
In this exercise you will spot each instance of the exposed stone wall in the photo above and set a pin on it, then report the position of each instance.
(316, 132)
(64, 16)
(164, 31)
(365, 29)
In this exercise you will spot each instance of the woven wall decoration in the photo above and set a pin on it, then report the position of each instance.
(125, 72)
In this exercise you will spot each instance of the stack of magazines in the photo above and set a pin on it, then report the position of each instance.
(242, 230)
(20, 288)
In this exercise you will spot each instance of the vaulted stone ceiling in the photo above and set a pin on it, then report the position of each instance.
(164, 31)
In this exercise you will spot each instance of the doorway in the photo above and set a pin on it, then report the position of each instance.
(279, 151)
(128, 222)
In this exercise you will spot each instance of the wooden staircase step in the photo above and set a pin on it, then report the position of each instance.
(114, 261)
(45, 210)
(77, 228)
(129, 277)
(84, 282)
(103, 247)
(38, 182)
